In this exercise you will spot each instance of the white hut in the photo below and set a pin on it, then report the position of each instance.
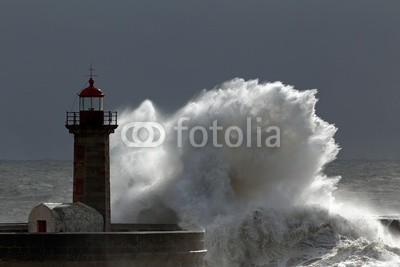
(64, 217)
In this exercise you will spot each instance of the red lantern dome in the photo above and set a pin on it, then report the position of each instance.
(91, 91)
(91, 98)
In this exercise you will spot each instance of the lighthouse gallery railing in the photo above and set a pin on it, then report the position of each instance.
(110, 118)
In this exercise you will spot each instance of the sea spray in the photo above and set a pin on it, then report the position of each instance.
(259, 205)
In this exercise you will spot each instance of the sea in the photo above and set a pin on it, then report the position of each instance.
(25, 184)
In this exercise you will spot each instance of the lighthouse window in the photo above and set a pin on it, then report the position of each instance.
(91, 103)
(86, 103)
(95, 103)
(101, 103)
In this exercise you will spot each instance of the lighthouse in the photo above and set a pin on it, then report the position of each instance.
(91, 127)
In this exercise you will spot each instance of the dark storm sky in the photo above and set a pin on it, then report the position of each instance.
(168, 50)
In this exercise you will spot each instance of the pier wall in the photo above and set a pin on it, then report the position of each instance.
(174, 248)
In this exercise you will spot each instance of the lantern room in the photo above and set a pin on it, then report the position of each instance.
(91, 98)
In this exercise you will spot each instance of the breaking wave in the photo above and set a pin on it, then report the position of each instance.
(259, 206)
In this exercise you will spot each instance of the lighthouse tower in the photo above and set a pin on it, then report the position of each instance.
(91, 127)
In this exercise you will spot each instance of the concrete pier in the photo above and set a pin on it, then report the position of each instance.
(131, 248)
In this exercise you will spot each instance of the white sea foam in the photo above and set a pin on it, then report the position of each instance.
(258, 205)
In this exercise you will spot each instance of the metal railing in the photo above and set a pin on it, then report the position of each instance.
(110, 118)
(73, 118)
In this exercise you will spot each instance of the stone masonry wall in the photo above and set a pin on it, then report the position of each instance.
(178, 248)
